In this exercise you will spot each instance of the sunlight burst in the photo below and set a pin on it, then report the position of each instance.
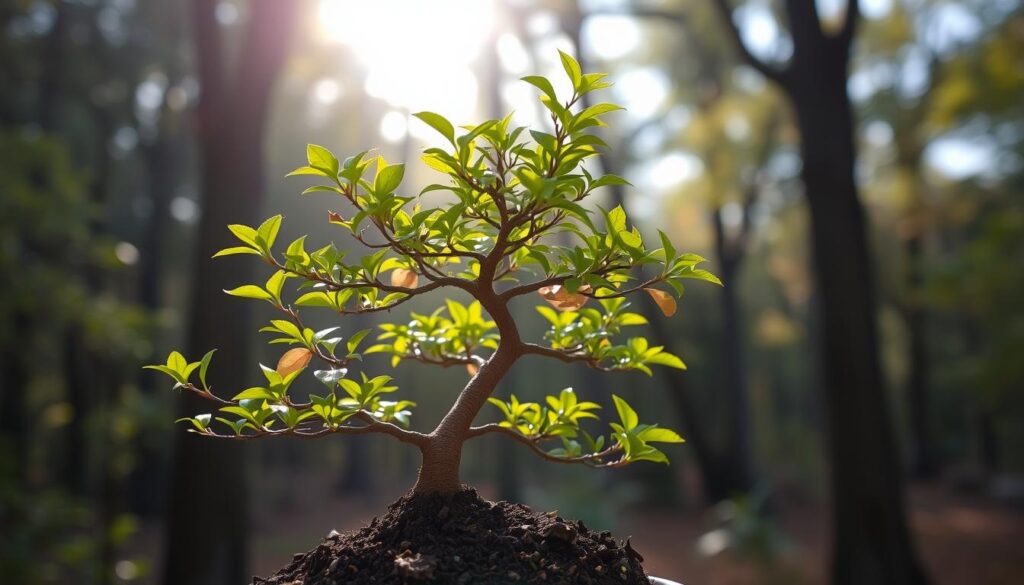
(418, 55)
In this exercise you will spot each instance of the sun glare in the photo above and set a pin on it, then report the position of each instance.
(418, 55)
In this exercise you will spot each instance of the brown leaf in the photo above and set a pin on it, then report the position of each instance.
(404, 278)
(665, 301)
(334, 216)
(293, 360)
(472, 369)
(561, 299)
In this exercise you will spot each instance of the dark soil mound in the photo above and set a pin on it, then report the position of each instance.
(463, 539)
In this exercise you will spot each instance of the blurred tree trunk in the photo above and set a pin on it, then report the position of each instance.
(910, 145)
(207, 532)
(14, 376)
(729, 254)
(923, 463)
(355, 480)
(76, 366)
(14, 366)
(163, 160)
(871, 540)
(164, 164)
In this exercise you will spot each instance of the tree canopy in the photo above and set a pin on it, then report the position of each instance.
(517, 226)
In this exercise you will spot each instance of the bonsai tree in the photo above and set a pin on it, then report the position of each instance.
(513, 226)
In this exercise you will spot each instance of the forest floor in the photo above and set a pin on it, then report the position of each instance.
(963, 540)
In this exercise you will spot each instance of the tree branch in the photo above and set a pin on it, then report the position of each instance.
(849, 28)
(565, 356)
(446, 360)
(334, 285)
(535, 286)
(780, 76)
(308, 432)
(592, 460)
(568, 356)
(372, 425)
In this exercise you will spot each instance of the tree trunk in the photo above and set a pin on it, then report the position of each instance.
(14, 416)
(922, 459)
(738, 432)
(871, 540)
(208, 527)
(988, 441)
(439, 471)
(442, 454)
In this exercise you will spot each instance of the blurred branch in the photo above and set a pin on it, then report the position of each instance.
(780, 76)
(849, 29)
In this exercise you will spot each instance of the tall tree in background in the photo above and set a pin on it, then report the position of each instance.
(207, 483)
(871, 540)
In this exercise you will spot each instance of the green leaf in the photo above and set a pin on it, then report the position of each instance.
(244, 233)
(200, 422)
(598, 110)
(626, 413)
(177, 362)
(616, 219)
(204, 364)
(670, 250)
(267, 231)
(572, 69)
(666, 359)
(439, 123)
(255, 393)
(606, 180)
(250, 291)
(314, 299)
(166, 370)
(320, 189)
(275, 283)
(308, 171)
(355, 339)
(388, 179)
(322, 159)
(701, 274)
(542, 84)
(330, 378)
(660, 435)
(237, 250)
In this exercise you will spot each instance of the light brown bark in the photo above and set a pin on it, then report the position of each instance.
(442, 452)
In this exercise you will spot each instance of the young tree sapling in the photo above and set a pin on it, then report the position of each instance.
(493, 242)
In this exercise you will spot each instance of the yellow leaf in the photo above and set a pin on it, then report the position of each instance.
(293, 360)
(562, 299)
(472, 369)
(665, 302)
(404, 278)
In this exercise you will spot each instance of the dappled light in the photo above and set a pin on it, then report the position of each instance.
(383, 292)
